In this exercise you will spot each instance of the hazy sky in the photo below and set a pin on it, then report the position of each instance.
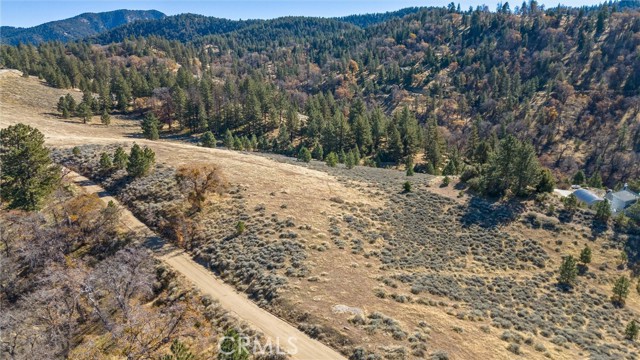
(25, 13)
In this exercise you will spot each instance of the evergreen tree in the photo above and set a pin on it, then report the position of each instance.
(150, 127)
(28, 175)
(568, 272)
(631, 331)
(395, 144)
(140, 161)
(349, 162)
(105, 118)
(409, 165)
(85, 112)
(71, 103)
(620, 290)
(228, 140)
(63, 108)
(105, 161)
(547, 182)
(450, 169)
(585, 255)
(120, 158)
(304, 155)
(232, 347)
(603, 211)
(208, 139)
(179, 351)
(318, 152)
(595, 180)
(332, 159)
(579, 178)
(570, 203)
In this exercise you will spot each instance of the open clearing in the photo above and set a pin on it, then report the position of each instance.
(404, 275)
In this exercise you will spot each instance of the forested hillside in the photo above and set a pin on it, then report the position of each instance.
(439, 88)
(75, 28)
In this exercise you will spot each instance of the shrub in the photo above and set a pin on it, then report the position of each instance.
(240, 227)
(75, 151)
(406, 187)
(514, 348)
(445, 181)
(304, 155)
(198, 181)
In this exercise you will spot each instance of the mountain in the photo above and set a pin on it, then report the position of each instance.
(77, 27)
(366, 20)
(183, 27)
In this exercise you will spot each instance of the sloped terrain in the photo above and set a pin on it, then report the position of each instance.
(368, 269)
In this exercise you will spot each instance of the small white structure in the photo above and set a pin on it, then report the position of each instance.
(622, 199)
(587, 197)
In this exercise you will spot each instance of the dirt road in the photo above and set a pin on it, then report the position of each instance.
(296, 343)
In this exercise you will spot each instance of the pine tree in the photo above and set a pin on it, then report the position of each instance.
(318, 152)
(631, 331)
(568, 272)
(332, 159)
(603, 211)
(595, 180)
(348, 160)
(585, 255)
(449, 169)
(85, 112)
(150, 127)
(232, 347)
(208, 139)
(62, 107)
(105, 161)
(579, 178)
(28, 175)
(409, 165)
(304, 155)
(228, 139)
(71, 103)
(105, 118)
(547, 182)
(120, 158)
(179, 351)
(140, 161)
(620, 290)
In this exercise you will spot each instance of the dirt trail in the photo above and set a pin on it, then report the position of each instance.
(292, 340)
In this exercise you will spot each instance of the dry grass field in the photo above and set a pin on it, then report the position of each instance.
(356, 263)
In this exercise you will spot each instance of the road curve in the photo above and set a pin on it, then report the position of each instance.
(278, 331)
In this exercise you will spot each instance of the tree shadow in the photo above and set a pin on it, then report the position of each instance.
(488, 213)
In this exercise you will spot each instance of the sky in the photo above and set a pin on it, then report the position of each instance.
(26, 13)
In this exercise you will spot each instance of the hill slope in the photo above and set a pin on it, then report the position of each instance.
(77, 27)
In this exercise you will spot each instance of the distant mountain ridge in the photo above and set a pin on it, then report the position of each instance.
(75, 28)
